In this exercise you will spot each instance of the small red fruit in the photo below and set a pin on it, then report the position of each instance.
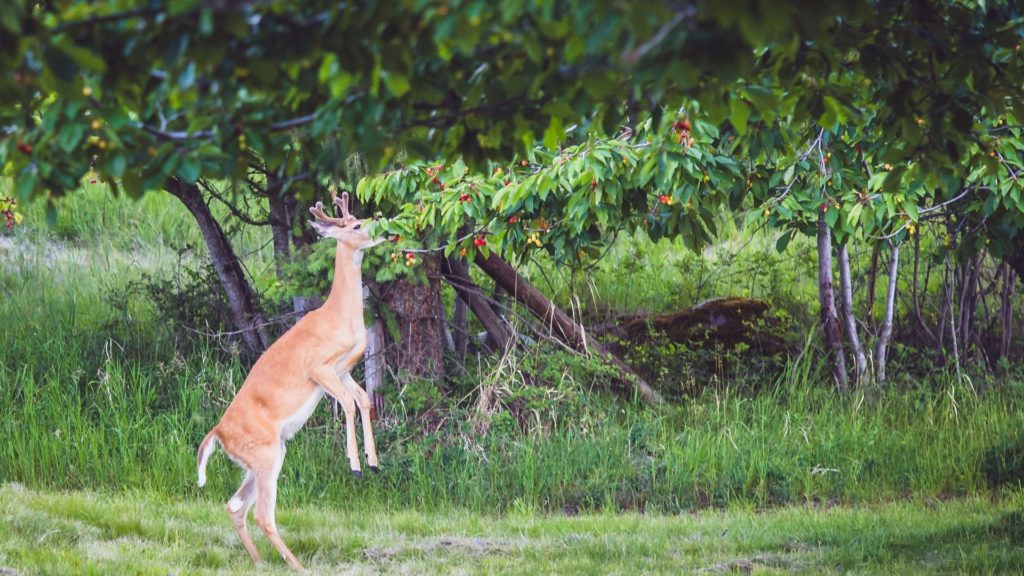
(464, 198)
(593, 184)
(523, 163)
(665, 199)
(507, 182)
(479, 241)
(513, 219)
(24, 147)
(686, 125)
(435, 180)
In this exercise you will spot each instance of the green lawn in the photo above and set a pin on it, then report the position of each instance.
(94, 533)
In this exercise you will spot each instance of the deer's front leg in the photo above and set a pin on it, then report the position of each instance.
(328, 379)
(363, 401)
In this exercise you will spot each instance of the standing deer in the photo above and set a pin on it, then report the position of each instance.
(288, 380)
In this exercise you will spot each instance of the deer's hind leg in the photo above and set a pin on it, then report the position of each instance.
(238, 509)
(266, 505)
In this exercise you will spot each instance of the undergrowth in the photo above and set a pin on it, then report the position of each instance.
(98, 391)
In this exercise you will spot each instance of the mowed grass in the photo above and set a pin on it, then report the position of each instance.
(101, 533)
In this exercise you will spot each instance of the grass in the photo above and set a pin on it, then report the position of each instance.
(97, 393)
(104, 533)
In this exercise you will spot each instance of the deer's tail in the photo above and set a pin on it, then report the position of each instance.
(206, 448)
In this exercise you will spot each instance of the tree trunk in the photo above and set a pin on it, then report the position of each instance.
(949, 280)
(1006, 315)
(826, 298)
(280, 225)
(419, 351)
(881, 348)
(560, 325)
(283, 211)
(918, 317)
(456, 273)
(373, 363)
(872, 285)
(849, 318)
(460, 326)
(246, 315)
(968, 303)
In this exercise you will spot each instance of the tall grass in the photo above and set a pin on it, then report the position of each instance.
(96, 393)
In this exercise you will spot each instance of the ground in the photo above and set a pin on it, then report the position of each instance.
(100, 533)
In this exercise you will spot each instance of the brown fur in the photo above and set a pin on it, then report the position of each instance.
(317, 353)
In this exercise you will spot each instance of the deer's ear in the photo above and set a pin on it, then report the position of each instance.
(321, 228)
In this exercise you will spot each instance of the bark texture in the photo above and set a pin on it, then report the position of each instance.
(419, 351)
(850, 318)
(826, 298)
(456, 272)
(1006, 315)
(882, 346)
(373, 367)
(246, 315)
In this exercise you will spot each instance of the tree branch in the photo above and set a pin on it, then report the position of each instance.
(183, 136)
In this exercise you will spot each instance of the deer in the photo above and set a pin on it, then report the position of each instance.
(284, 386)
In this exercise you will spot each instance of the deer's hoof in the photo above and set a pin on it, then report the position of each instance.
(375, 469)
(357, 473)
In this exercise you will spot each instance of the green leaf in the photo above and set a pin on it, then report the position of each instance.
(179, 7)
(764, 100)
(60, 63)
(132, 183)
(738, 114)
(554, 134)
(188, 170)
(911, 209)
(116, 165)
(87, 59)
(783, 241)
(397, 84)
(831, 217)
(27, 181)
(70, 136)
(876, 180)
(854, 215)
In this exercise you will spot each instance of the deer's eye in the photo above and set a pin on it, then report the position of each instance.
(357, 226)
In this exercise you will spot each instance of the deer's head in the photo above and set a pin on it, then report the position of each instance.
(347, 229)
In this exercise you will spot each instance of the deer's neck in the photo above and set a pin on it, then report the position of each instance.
(346, 298)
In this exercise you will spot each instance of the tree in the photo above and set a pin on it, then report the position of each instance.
(298, 87)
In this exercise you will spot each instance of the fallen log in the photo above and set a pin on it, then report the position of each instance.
(559, 324)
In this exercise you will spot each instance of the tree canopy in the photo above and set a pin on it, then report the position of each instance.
(140, 93)
(524, 126)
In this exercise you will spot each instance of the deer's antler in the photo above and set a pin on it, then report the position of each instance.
(342, 204)
(318, 212)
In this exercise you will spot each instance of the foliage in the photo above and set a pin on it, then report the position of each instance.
(9, 211)
(570, 201)
(873, 84)
(196, 94)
